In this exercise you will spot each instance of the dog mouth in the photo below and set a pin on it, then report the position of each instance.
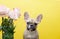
(31, 29)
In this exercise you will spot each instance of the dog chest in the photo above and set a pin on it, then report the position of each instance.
(31, 35)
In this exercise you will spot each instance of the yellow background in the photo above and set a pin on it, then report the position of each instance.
(49, 28)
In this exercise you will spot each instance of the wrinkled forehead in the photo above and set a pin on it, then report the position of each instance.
(31, 20)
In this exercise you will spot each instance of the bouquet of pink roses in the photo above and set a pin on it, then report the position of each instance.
(7, 25)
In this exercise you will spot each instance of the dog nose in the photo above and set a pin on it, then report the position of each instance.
(31, 25)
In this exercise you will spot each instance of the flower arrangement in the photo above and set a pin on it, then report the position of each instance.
(7, 25)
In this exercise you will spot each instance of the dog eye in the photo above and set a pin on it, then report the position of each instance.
(35, 23)
(28, 22)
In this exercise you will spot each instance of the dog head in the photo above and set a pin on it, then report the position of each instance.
(32, 23)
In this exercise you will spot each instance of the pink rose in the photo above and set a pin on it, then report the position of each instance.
(14, 14)
(3, 10)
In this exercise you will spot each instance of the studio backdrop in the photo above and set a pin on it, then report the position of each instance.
(49, 28)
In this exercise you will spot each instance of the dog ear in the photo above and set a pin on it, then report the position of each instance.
(26, 15)
(39, 18)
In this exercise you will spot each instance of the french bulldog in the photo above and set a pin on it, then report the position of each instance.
(31, 32)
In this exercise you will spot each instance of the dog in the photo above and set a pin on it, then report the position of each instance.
(31, 32)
